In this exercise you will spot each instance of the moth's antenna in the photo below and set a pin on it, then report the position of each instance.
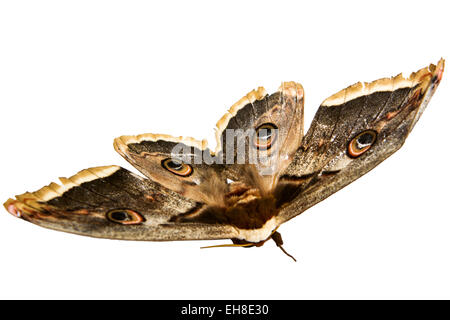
(249, 244)
(229, 245)
(276, 236)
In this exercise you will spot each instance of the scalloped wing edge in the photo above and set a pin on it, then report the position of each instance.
(54, 190)
(250, 97)
(360, 89)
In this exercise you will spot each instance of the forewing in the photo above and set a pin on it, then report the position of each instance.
(351, 133)
(112, 202)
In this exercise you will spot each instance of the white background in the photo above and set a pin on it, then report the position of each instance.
(76, 74)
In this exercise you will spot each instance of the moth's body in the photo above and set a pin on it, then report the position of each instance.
(244, 194)
(252, 215)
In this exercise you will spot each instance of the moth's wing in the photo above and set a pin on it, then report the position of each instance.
(237, 134)
(195, 179)
(351, 133)
(112, 202)
(208, 171)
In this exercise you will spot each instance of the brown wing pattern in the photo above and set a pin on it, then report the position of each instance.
(351, 133)
(188, 197)
(282, 111)
(111, 202)
(195, 179)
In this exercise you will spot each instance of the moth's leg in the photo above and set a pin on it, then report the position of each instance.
(276, 236)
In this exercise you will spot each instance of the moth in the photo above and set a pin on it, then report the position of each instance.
(263, 172)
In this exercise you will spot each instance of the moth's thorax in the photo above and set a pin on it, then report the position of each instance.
(239, 194)
(248, 208)
(251, 213)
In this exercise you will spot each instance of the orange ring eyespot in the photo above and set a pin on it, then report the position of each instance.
(361, 143)
(124, 216)
(177, 167)
(265, 136)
